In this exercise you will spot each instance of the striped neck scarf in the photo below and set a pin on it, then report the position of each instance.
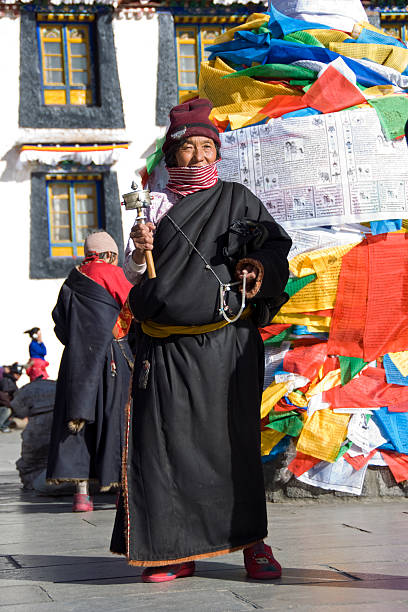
(185, 180)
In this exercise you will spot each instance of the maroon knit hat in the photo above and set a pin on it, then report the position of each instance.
(190, 119)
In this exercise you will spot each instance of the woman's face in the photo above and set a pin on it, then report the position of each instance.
(196, 151)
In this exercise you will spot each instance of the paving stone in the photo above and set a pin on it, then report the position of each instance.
(336, 556)
(22, 595)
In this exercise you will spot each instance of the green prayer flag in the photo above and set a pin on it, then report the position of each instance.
(343, 449)
(299, 83)
(274, 71)
(392, 112)
(286, 422)
(296, 284)
(279, 338)
(303, 37)
(153, 159)
(262, 30)
(350, 367)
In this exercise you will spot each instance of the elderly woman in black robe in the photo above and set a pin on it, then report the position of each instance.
(193, 482)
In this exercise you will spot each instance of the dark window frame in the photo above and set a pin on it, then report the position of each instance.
(107, 113)
(42, 265)
(72, 180)
(91, 49)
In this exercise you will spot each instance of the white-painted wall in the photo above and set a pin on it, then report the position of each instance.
(25, 302)
(137, 56)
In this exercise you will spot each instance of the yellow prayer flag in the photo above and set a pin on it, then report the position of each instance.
(378, 91)
(269, 439)
(332, 379)
(219, 64)
(394, 57)
(234, 91)
(254, 21)
(319, 261)
(314, 323)
(323, 434)
(248, 106)
(400, 360)
(298, 399)
(329, 36)
(240, 120)
(321, 293)
(271, 396)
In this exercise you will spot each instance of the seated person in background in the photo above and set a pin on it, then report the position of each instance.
(8, 387)
(34, 402)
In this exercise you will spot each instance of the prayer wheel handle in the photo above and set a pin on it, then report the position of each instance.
(139, 199)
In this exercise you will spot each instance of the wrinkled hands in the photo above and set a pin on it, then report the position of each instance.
(252, 274)
(142, 236)
(76, 425)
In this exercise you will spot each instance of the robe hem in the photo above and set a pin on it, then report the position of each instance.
(103, 488)
(57, 481)
(217, 553)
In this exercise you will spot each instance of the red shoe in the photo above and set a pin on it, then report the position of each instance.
(165, 573)
(260, 563)
(82, 503)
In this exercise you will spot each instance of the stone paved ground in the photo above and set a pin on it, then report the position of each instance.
(340, 556)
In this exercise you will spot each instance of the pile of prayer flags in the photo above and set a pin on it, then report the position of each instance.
(336, 355)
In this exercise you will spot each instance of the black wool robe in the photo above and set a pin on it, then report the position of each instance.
(193, 483)
(84, 317)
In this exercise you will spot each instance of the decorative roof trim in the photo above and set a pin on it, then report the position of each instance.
(53, 155)
(210, 19)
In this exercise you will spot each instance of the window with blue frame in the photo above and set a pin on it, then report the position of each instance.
(191, 40)
(74, 208)
(396, 25)
(66, 53)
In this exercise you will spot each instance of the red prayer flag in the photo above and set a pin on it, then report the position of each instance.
(279, 105)
(369, 390)
(359, 461)
(400, 407)
(144, 175)
(321, 313)
(398, 464)
(272, 330)
(305, 360)
(371, 313)
(283, 406)
(333, 92)
(346, 330)
(302, 463)
(331, 363)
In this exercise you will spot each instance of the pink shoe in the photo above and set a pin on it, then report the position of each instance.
(82, 503)
(165, 573)
(260, 563)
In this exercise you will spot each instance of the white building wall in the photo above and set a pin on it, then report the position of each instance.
(25, 302)
(137, 56)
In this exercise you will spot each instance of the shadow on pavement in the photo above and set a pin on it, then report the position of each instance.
(73, 569)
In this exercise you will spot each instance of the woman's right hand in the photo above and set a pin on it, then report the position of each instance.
(142, 236)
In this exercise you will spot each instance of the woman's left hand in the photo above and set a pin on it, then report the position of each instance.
(251, 276)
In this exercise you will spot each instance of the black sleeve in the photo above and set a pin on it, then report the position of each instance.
(273, 253)
(20, 405)
(8, 385)
(59, 315)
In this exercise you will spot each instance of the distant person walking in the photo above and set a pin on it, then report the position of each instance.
(37, 350)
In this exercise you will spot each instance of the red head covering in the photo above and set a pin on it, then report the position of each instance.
(37, 368)
(190, 119)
